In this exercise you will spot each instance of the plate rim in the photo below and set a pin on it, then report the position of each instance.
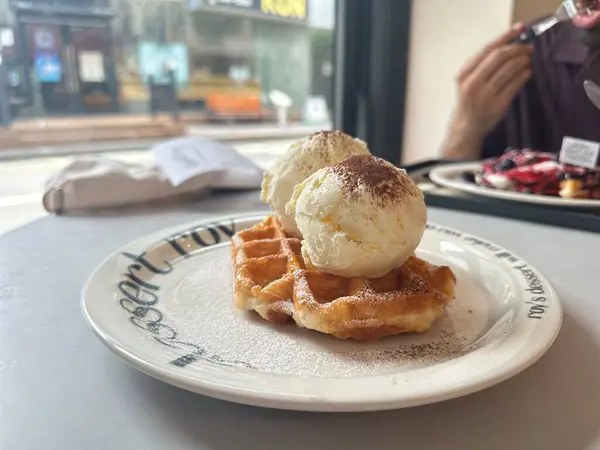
(293, 401)
(438, 175)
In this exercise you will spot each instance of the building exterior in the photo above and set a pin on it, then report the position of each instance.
(61, 58)
(224, 56)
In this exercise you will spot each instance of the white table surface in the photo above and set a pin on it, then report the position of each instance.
(60, 388)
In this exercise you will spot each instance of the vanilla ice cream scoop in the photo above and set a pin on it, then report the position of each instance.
(304, 158)
(362, 217)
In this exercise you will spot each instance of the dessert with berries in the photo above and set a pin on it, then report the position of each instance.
(540, 173)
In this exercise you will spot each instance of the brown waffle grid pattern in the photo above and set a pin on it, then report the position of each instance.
(272, 279)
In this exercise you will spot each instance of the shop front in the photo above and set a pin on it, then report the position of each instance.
(264, 49)
(64, 57)
(238, 51)
(224, 58)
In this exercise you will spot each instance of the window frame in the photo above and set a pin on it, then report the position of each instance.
(372, 40)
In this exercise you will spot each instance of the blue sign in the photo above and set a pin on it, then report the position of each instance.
(156, 60)
(48, 67)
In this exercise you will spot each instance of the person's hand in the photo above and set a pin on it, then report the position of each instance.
(488, 84)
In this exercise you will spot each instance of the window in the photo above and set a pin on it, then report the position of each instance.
(114, 77)
(223, 59)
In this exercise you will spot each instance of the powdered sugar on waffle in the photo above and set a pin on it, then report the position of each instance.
(222, 330)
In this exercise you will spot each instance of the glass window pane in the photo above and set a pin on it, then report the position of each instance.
(226, 57)
(109, 76)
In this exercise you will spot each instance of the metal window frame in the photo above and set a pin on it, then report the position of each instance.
(371, 57)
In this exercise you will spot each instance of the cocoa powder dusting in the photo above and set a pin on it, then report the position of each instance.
(385, 182)
(445, 346)
(323, 143)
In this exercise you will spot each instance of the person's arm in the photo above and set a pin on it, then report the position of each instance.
(462, 142)
(461, 145)
(487, 86)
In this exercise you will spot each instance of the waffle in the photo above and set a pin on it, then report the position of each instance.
(272, 279)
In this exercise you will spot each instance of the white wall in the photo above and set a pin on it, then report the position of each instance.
(444, 34)
(529, 10)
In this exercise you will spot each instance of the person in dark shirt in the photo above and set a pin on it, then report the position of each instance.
(528, 96)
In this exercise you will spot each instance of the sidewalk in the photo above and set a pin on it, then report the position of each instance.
(73, 130)
(253, 132)
(81, 136)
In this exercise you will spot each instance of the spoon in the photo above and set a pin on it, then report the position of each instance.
(593, 92)
(566, 11)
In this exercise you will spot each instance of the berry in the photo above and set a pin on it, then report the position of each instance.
(505, 165)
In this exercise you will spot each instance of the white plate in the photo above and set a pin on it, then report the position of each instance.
(179, 325)
(450, 176)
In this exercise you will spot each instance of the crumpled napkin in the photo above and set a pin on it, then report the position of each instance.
(197, 164)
